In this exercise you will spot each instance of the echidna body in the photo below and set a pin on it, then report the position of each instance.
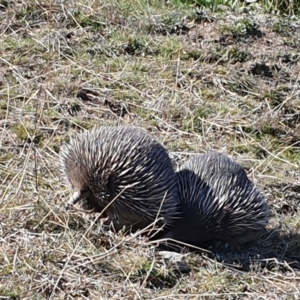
(219, 203)
(124, 169)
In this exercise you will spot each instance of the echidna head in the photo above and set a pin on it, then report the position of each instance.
(78, 174)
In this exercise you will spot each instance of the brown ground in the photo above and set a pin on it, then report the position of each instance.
(227, 81)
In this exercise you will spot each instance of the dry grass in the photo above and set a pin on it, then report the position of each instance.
(227, 81)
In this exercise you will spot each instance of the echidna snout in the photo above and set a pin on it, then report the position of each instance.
(219, 203)
(76, 197)
(126, 171)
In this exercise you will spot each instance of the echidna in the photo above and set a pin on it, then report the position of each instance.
(219, 203)
(126, 171)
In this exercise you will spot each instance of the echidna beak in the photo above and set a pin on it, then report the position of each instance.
(76, 196)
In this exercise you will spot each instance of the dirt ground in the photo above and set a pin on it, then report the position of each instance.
(197, 80)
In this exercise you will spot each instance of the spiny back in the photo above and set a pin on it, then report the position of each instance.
(125, 165)
(219, 201)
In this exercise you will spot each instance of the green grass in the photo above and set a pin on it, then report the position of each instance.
(223, 75)
(268, 6)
